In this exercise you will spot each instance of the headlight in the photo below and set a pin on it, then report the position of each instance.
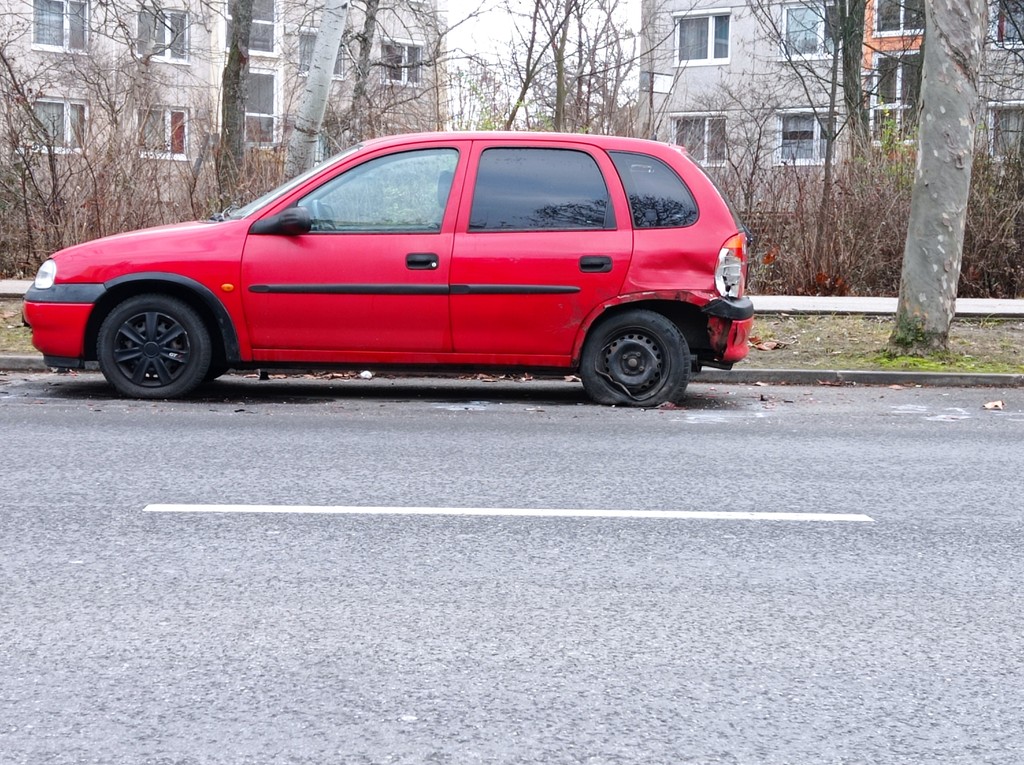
(46, 275)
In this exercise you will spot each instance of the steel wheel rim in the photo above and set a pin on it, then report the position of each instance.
(634, 362)
(151, 349)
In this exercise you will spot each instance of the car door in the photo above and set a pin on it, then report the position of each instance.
(370, 279)
(543, 242)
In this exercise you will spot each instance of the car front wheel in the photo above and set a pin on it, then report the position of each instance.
(635, 358)
(154, 346)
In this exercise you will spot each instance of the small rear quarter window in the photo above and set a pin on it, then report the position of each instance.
(658, 198)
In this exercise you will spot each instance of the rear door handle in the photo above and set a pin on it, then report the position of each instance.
(595, 264)
(421, 261)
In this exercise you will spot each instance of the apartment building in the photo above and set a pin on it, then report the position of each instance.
(146, 77)
(759, 83)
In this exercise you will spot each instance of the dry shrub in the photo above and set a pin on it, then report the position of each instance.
(48, 202)
(851, 241)
(846, 242)
(993, 263)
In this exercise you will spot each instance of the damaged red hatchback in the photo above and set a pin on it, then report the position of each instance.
(612, 258)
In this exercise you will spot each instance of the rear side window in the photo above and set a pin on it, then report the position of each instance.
(539, 190)
(658, 198)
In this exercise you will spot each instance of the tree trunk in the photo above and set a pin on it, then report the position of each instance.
(955, 30)
(851, 31)
(309, 116)
(231, 150)
(360, 103)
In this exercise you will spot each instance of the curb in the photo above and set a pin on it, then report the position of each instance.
(859, 377)
(837, 377)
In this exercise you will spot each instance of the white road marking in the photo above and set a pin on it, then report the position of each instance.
(656, 515)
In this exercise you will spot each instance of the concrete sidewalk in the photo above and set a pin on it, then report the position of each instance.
(774, 304)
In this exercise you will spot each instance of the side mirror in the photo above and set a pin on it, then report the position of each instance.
(292, 221)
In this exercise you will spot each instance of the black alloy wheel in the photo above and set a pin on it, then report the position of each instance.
(635, 358)
(154, 346)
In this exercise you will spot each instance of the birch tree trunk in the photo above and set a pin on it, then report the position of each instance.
(309, 116)
(955, 34)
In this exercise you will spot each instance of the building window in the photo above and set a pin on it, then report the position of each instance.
(702, 38)
(809, 30)
(61, 124)
(802, 139)
(261, 35)
(307, 40)
(259, 109)
(901, 16)
(163, 133)
(402, 63)
(1007, 130)
(703, 137)
(1009, 23)
(60, 24)
(163, 34)
(896, 94)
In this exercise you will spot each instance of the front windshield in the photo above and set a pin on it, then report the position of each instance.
(298, 180)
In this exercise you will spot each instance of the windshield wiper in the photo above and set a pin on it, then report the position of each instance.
(224, 214)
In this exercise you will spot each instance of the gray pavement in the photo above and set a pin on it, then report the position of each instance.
(876, 306)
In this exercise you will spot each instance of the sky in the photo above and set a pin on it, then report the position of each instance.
(489, 31)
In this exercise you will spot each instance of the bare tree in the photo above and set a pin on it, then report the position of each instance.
(955, 30)
(231, 149)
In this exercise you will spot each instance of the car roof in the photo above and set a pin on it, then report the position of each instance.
(606, 142)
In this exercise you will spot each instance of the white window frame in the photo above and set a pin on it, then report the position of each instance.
(405, 66)
(703, 157)
(274, 137)
(993, 109)
(70, 141)
(303, 67)
(256, 22)
(999, 27)
(161, 34)
(817, 140)
(825, 43)
(709, 17)
(167, 119)
(903, 30)
(68, 32)
(900, 106)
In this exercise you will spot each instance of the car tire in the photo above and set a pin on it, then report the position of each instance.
(154, 346)
(635, 358)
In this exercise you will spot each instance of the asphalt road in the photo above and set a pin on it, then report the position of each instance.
(133, 636)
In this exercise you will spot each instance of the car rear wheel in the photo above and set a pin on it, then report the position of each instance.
(636, 358)
(154, 346)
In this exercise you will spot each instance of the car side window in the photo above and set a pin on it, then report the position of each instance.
(534, 189)
(658, 197)
(397, 193)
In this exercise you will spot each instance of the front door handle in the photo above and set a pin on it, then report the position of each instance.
(595, 264)
(421, 261)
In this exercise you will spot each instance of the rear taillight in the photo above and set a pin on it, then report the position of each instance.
(730, 273)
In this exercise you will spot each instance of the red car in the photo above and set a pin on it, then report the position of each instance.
(612, 258)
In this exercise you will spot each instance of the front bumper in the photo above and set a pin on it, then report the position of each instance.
(58, 317)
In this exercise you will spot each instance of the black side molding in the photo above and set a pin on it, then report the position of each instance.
(66, 293)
